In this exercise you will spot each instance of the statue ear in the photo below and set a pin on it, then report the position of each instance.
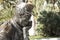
(29, 6)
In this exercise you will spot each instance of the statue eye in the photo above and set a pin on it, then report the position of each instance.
(21, 14)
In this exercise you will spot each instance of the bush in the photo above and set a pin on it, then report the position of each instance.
(51, 23)
(8, 10)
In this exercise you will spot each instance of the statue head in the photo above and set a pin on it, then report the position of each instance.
(10, 30)
(23, 12)
(24, 8)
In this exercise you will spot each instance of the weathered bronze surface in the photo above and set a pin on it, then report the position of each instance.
(13, 29)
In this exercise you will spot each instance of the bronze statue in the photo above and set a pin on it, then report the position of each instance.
(13, 28)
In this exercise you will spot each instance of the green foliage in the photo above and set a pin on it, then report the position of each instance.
(5, 14)
(51, 23)
(38, 4)
(48, 20)
(35, 37)
(7, 11)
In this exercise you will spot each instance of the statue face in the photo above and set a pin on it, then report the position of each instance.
(23, 12)
(24, 8)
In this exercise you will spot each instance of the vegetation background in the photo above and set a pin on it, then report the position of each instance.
(46, 15)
